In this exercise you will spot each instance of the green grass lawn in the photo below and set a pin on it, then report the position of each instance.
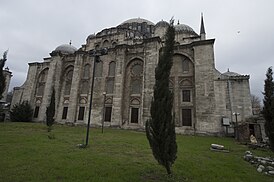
(27, 154)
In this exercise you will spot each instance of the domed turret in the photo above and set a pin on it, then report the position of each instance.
(66, 49)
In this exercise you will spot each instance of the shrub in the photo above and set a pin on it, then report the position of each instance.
(21, 112)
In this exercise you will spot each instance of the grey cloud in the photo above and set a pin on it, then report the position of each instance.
(32, 29)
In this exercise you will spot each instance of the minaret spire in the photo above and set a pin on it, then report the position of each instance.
(202, 28)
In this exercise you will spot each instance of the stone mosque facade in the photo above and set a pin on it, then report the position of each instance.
(204, 98)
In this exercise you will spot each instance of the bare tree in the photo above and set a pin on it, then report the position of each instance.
(256, 104)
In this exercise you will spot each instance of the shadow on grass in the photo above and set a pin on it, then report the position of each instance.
(160, 176)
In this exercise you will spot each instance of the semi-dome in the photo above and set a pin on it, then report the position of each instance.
(66, 49)
(182, 28)
(137, 20)
(162, 23)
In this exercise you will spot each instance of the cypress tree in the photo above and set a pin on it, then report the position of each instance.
(50, 112)
(160, 128)
(268, 109)
(2, 77)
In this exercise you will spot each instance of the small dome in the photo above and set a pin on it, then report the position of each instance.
(137, 20)
(230, 73)
(182, 28)
(162, 23)
(91, 36)
(66, 49)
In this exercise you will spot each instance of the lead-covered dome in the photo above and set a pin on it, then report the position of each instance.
(137, 20)
(66, 49)
(230, 73)
(162, 23)
(182, 28)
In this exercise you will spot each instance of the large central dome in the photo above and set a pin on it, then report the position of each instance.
(137, 20)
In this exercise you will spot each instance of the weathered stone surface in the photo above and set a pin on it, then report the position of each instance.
(270, 168)
(216, 146)
(259, 169)
(248, 152)
(248, 157)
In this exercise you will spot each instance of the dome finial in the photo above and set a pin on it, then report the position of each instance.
(69, 42)
(228, 70)
(178, 22)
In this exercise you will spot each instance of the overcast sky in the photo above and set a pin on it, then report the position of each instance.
(243, 29)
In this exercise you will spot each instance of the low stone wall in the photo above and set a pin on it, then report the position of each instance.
(263, 164)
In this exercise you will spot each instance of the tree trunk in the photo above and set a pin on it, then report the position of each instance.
(168, 169)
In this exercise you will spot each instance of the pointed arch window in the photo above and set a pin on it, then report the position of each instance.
(105, 44)
(111, 71)
(185, 65)
(114, 44)
(41, 82)
(43, 75)
(68, 81)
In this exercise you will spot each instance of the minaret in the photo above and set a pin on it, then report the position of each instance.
(202, 29)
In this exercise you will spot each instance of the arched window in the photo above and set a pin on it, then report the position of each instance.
(68, 81)
(40, 89)
(42, 82)
(98, 69)
(105, 44)
(185, 65)
(114, 44)
(133, 91)
(86, 73)
(111, 71)
(43, 75)
(136, 77)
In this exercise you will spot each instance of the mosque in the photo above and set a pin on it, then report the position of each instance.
(205, 100)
